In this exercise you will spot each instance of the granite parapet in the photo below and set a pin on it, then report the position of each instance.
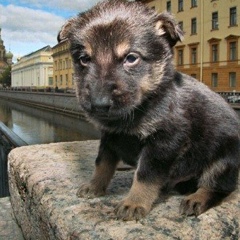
(44, 180)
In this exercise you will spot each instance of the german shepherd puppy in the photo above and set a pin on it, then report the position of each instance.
(175, 130)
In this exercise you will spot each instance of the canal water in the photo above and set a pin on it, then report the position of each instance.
(37, 126)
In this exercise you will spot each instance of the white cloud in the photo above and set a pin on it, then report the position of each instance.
(20, 23)
(70, 5)
(36, 23)
(23, 27)
(79, 5)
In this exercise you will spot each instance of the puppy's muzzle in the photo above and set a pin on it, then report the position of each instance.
(101, 104)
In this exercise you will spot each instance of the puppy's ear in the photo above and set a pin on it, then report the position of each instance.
(65, 30)
(167, 26)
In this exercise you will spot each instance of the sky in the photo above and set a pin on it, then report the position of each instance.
(28, 25)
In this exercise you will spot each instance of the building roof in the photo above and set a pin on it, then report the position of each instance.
(60, 43)
(44, 49)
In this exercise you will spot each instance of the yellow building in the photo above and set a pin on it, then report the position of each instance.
(62, 66)
(210, 50)
(34, 69)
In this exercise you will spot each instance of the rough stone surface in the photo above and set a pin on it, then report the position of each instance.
(9, 230)
(43, 183)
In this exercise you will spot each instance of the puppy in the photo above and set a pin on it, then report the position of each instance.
(175, 130)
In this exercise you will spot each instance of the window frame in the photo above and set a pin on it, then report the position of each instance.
(193, 3)
(214, 80)
(180, 5)
(193, 26)
(180, 57)
(232, 46)
(232, 81)
(214, 52)
(180, 24)
(169, 6)
(233, 16)
(215, 22)
(194, 55)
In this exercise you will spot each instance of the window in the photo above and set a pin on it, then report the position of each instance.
(50, 80)
(180, 24)
(214, 20)
(194, 3)
(232, 79)
(61, 79)
(72, 78)
(180, 57)
(214, 79)
(180, 5)
(168, 6)
(193, 55)
(66, 61)
(233, 16)
(193, 26)
(232, 51)
(214, 53)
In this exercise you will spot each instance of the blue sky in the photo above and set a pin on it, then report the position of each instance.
(28, 25)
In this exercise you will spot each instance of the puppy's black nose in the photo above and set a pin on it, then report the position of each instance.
(101, 104)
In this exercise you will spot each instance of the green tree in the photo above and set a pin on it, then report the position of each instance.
(5, 78)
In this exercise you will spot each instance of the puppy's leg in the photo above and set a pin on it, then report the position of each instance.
(215, 184)
(105, 166)
(200, 201)
(139, 201)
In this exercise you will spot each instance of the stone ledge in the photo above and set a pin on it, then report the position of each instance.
(43, 183)
(9, 230)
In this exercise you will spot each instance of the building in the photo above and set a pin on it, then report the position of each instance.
(34, 69)
(210, 51)
(5, 57)
(62, 68)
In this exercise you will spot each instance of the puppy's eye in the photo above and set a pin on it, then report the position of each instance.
(132, 59)
(84, 60)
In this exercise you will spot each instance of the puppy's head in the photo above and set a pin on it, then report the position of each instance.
(121, 51)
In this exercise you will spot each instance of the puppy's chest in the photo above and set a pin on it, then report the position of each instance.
(154, 122)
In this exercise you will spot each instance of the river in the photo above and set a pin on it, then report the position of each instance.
(37, 126)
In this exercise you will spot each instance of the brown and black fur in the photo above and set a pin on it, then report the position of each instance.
(176, 131)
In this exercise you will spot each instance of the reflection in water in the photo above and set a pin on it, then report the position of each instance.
(37, 126)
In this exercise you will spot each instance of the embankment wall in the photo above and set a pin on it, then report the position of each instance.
(63, 102)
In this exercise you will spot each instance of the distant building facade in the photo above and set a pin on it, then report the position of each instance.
(62, 66)
(5, 57)
(34, 69)
(210, 51)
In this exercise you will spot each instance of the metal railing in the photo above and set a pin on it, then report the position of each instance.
(8, 141)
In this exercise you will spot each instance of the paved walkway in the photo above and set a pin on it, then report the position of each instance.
(9, 230)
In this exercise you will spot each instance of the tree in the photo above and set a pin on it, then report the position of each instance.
(5, 78)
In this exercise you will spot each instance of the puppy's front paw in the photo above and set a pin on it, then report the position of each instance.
(89, 190)
(130, 210)
(196, 203)
(190, 207)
